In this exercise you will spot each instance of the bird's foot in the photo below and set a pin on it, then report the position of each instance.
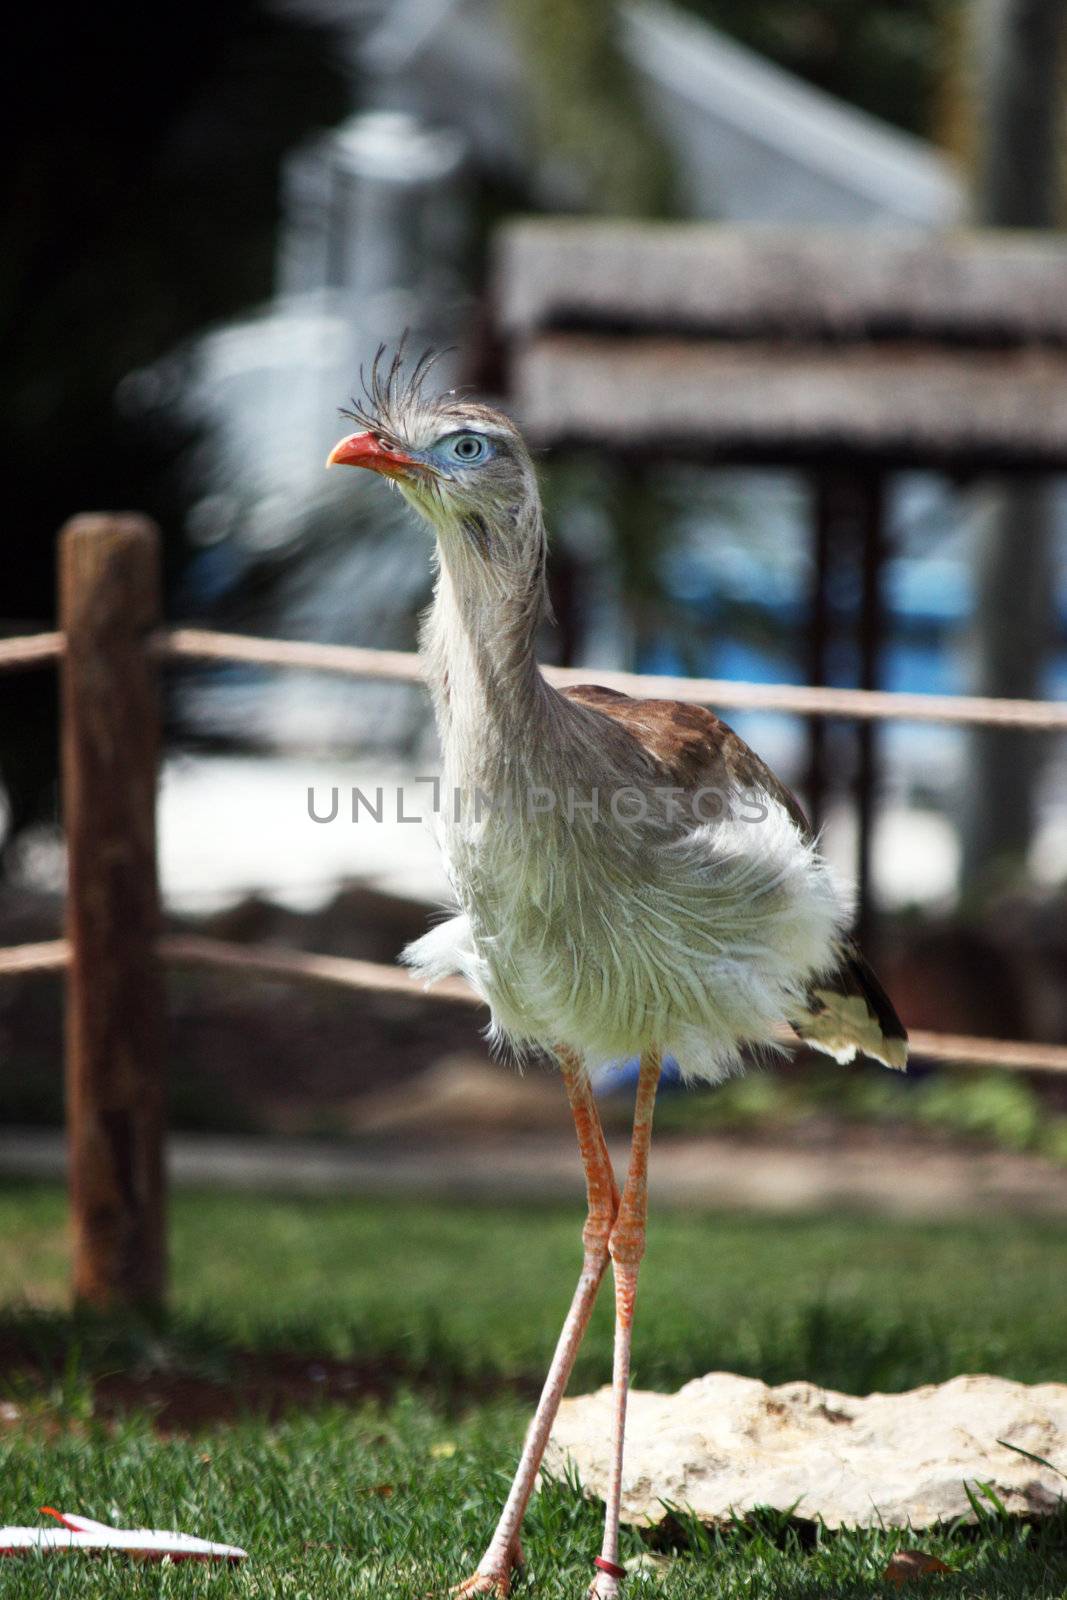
(496, 1581)
(493, 1583)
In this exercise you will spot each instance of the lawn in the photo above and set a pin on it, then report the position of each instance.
(448, 1313)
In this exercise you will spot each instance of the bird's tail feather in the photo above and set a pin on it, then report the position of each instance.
(849, 1013)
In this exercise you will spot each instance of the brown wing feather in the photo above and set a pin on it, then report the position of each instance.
(847, 1010)
(694, 745)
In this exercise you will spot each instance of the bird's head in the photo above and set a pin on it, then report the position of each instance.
(462, 465)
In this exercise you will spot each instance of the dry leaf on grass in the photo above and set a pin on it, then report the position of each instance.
(907, 1565)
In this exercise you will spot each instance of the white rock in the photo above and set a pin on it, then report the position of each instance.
(723, 1445)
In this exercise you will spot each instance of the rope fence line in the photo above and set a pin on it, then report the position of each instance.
(961, 1049)
(30, 650)
(343, 660)
(371, 977)
(51, 955)
(192, 950)
(263, 961)
(399, 666)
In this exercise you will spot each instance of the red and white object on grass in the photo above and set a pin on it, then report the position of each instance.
(82, 1533)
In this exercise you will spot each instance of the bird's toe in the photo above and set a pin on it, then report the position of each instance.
(496, 1582)
(491, 1583)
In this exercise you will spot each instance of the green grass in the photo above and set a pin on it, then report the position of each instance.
(463, 1292)
(396, 1499)
(336, 1505)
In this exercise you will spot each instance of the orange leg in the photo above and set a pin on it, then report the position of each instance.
(627, 1246)
(493, 1576)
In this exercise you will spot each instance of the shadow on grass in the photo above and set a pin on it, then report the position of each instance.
(189, 1373)
(186, 1375)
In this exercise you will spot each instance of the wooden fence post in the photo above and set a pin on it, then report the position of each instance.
(109, 588)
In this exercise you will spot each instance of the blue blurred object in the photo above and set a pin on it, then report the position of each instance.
(619, 1075)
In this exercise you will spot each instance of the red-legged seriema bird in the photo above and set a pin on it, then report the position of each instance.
(630, 878)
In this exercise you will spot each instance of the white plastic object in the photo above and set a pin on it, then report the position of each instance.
(83, 1533)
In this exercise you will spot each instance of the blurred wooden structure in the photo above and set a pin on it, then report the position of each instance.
(109, 604)
(846, 354)
(768, 346)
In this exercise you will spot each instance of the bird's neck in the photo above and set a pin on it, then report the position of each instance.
(478, 645)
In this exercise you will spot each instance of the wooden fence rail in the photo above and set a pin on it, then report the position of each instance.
(109, 651)
(30, 650)
(280, 965)
(401, 666)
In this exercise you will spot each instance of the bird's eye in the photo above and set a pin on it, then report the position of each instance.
(468, 447)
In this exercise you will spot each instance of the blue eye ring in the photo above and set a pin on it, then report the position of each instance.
(466, 448)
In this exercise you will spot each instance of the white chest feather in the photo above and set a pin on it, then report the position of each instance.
(610, 939)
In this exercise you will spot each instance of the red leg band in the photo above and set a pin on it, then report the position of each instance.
(609, 1567)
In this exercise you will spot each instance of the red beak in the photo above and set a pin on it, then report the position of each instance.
(367, 450)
